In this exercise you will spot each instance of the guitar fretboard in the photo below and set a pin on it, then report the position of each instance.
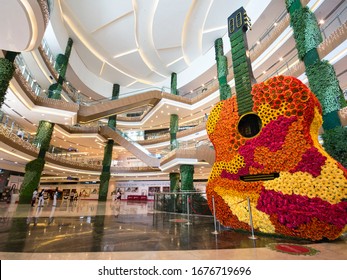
(243, 73)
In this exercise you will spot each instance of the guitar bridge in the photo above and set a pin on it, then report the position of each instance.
(259, 177)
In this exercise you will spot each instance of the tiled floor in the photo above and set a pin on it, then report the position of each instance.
(88, 230)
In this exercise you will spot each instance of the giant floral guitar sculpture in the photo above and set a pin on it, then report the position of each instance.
(267, 150)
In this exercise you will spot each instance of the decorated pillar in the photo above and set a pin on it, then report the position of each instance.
(106, 173)
(61, 63)
(322, 78)
(174, 84)
(6, 73)
(34, 168)
(115, 95)
(222, 70)
(174, 182)
(106, 163)
(187, 174)
(320, 73)
(173, 131)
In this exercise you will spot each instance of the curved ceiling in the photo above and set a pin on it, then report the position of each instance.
(25, 14)
(140, 43)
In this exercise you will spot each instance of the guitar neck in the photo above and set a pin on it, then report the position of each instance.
(243, 74)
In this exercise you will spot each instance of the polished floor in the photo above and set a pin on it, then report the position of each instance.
(88, 230)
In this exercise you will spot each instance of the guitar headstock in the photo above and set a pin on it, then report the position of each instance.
(238, 20)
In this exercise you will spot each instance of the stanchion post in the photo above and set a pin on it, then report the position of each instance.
(250, 219)
(214, 217)
(188, 212)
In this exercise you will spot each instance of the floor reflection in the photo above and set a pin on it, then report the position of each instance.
(89, 226)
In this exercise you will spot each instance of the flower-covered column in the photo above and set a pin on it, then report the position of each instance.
(6, 73)
(34, 168)
(322, 78)
(321, 74)
(61, 63)
(222, 70)
(106, 163)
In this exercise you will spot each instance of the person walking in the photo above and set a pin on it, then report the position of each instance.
(55, 197)
(41, 199)
(118, 195)
(34, 197)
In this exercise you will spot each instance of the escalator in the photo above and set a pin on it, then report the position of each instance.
(137, 150)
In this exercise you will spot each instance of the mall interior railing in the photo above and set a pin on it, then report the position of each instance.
(189, 202)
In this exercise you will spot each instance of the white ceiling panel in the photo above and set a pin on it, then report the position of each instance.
(170, 55)
(96, 14)
(117, 37)
(178, 66)
(169, 23)
(133, 64)
(209, 38)
(114, 76)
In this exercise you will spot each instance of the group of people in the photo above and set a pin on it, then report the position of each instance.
(40, 196)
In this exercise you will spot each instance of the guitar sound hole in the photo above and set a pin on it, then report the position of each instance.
(249, 125)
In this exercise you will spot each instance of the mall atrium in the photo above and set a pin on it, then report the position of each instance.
(120, 96)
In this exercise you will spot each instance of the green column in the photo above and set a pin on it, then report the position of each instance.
(112, 120)
(61, 64)
(187, 174)
(106, 173)
(6, 73)
(321, 75)
(173, 131)
(174, 84)
(34, 168)
(174, 182)
(222, 70)
(106, 163)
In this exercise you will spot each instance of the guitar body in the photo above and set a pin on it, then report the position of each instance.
(295, 188)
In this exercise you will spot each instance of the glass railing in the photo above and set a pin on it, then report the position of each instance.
(137, 145)
(190, 202)
(331, 24)
(13, 127)
(268, 31)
